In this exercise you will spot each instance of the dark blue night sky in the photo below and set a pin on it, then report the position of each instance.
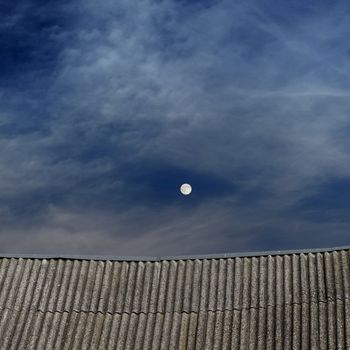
(107, 107)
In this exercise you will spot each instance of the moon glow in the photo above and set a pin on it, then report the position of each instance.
(186, 189)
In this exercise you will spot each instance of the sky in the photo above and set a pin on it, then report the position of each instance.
(107, 107)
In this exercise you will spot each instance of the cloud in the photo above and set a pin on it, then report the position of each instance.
(250, 99)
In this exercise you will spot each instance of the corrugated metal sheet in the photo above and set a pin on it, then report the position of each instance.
(291, 301)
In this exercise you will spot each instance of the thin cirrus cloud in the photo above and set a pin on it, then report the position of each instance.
(107, 108)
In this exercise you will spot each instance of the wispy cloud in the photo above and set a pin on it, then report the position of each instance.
(247, 99)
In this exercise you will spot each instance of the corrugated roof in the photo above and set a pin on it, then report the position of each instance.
(281, 301)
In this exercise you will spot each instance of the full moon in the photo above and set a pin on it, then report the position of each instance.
(186, 189)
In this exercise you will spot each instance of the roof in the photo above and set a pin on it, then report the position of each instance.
(282, 300)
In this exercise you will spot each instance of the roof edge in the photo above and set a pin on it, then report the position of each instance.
(170, 257)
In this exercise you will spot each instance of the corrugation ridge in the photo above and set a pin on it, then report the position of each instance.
(53, 297)
(64, 284)
(237, 303)
(204, 285)
(192, 327)
(72, 285)
(339, 294)
(88, 288)
(18, 330)
(76, 330)
(254, 303)
(83, 281)
(245, 313)
(43, 335)
(48, 285)
(203, 293)
(122, 287)
(288, 308)
(305, 299)
(148, 336)
(200, 334)
(59, 336)
(108, 320)
(37, 324)
(137, 305)
(218, 330)
(45, 332)
(175, 332)
(330, 290)
(45, 296)
(179, 286)
(296, 288)
(314, 315)
(54, 331)
(196, 286)
(164, 338)
(79, 330)
(170, 287)
(229, 287)
(19, 302)
(6, 318)
(113, 334)
(97, 286)
(200, 330)
(69, 330)
(322, 307)
(35, 330)
(140, 332)
(146, 287)
(82, 292)
(213, 284)
(221, 297)
(105, 289)
(262, 311)
(114, 280)
(279, 314)
(8, 282)
(5, 263)
(69, 302)
(95, 327)
(130, 286)
(88, 332)
(346, 288)
(123, 329)
(130, 336)
(187, 297)
(271, 302)
(162, 287)
(222, 284)
(312, 278)
(3, 272)
(209, 331)
(159, 319)
(26, 326)
(227, 331)
(106, 329)
(154, 288)
(181, 339)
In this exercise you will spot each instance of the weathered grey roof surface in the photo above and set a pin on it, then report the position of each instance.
(277, 301)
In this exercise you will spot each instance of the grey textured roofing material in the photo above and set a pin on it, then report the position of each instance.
(281, 301)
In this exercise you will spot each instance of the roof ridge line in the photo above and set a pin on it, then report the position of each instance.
(172, 257)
